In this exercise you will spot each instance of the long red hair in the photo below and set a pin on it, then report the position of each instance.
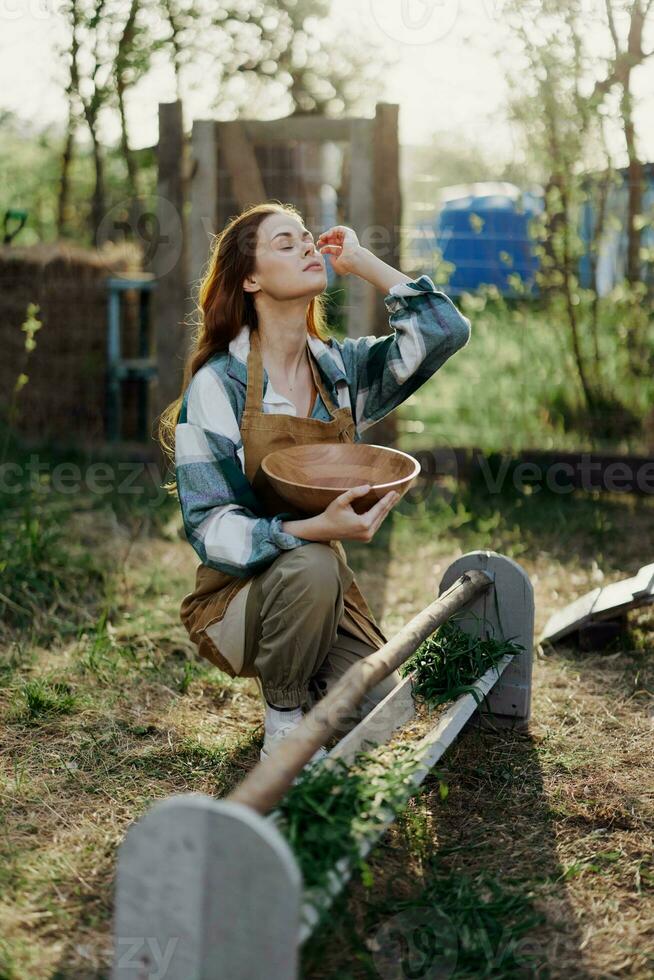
(224, 306)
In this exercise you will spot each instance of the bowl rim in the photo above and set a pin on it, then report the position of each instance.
(373, 486)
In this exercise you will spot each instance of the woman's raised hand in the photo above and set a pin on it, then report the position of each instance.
(340, 521)
(343, 247)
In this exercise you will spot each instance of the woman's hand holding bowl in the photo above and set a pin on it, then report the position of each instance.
(340, 521)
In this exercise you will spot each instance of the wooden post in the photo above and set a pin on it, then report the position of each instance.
(241, 163)
(170, 257)
(362, 298)
(204, 197)
(385, 230)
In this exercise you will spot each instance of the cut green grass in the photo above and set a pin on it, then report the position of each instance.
(334, 807)
(447, 664)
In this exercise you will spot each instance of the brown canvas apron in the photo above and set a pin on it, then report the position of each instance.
(262, 433)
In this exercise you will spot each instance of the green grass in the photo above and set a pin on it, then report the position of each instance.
(334, 807)
(107, 709)
(459, 925)
(45, 698)
(514, 386)
(447, 664)
(56, 573)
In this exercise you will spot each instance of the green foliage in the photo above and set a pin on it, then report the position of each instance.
(39, 572)
(448, 663)
(521, 356)
(333, 807)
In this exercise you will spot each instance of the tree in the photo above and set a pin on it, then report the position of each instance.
(278, 46)
(563, 117)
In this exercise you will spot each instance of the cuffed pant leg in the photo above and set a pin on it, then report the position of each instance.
(291, 620)
(344, 652)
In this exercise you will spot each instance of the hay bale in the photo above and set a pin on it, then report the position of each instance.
(64, 400)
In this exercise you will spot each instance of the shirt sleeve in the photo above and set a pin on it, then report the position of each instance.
(223, 518)
(384, 371)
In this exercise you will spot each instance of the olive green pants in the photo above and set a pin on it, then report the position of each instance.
(292, 635)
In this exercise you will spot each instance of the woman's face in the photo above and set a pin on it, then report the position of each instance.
(288, 266)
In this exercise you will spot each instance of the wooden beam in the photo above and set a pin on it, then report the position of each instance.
(204, 195)
(235, 144)
(385, 235)
(170, 257)
(312, 128)
(362, 298)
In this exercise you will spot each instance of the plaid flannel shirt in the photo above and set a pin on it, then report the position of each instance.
(223, 519)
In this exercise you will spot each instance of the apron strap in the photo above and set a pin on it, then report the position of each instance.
(254, 394)
(317, 380)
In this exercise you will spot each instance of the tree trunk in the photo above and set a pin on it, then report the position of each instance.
(98, 208)
(635, 189)
(64, 182)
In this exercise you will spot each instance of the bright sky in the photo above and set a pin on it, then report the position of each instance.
(448, 79)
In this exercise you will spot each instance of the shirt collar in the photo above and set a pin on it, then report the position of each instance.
(239, 348)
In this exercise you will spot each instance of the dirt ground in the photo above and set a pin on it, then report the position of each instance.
(563, 813)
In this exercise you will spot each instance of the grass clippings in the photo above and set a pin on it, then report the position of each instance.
(448, 663)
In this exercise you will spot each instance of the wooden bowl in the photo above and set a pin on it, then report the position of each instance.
(310, 476)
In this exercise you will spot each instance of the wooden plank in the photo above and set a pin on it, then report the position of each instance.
(619, 596)
(572, 617)
(205, 890)
(427, 752)
(236, 148)
(644, 581)
(298, 127)
(602, 603)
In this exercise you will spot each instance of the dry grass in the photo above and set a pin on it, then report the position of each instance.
(563, 813)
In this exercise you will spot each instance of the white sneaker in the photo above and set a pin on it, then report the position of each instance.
(276, 731)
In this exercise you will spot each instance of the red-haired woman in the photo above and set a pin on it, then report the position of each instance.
(274, 596)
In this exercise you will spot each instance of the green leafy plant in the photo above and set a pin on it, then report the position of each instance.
(448, 663)
(331, 810)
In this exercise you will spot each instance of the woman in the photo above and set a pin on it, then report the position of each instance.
(274, 596)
